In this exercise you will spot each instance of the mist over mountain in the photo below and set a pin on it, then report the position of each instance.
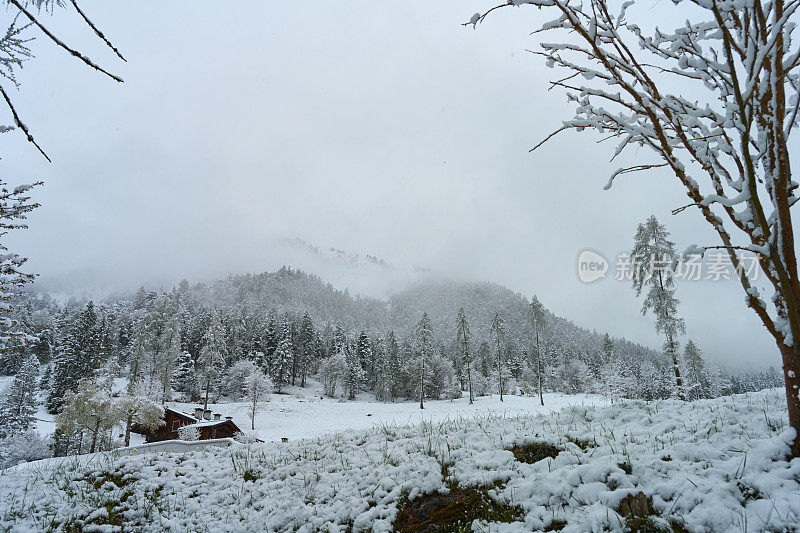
(294, 291)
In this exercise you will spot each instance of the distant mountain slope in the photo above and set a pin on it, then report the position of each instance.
(298, 292)
(481, 300)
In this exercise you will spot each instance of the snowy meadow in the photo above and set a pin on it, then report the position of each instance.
(710, 465)
(313, 267)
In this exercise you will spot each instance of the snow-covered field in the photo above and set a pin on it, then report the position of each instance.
(303, 412)
(712, 465)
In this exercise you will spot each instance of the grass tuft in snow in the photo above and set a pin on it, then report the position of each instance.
(453, 512)
(533, 452)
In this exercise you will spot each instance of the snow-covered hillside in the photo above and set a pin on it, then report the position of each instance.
(710, 465)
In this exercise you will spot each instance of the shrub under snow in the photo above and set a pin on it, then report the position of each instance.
(23, 447)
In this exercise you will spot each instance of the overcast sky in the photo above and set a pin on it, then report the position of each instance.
(375, 127)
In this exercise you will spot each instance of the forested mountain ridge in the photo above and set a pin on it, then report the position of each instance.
(293, 291)
(293, 324)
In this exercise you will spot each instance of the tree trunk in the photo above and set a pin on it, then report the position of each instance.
(539, 369)
(791, 376)
(500, 373)
(208, 388)
(94, 436)
(128, 423)
(673, 351)
(421, 381)
(469, 383)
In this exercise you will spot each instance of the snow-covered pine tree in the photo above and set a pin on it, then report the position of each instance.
(383, 382)
(424, 349)
(138, 354)
(284, 355)
(269, 343)
(439, 376)
(75, 355)
(354, 378)
(498, 331)
(169, 351)
(212, 357)
(607, 351)
(694, 370)
(185, 375)
(538, 320)
(394, 366)
(15, 205)
(307, 348)
(366, 359)
(19, 402)
(463, 338)
(652, 257)
(615, 379)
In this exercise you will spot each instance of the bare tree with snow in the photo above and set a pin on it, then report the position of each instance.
(727, 145)
(257, 386)
(139, 408)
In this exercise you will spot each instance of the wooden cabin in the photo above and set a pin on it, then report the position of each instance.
(210, 426)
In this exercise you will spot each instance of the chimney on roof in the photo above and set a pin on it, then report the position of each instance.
(207, 414)
(228, 418)
(198, 413)
(217, 416)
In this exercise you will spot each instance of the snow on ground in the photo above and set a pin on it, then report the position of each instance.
(301, 413)
(712, 465)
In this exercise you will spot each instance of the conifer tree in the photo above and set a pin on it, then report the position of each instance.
(366, 356)
(212, 356)
(463, 339)
(355, 373)
(424, 338)
(75, 357)
(695, 371)
(185, 375)
(15, 205)
(652, 257)
(19, 399)
(538, 320)
(284, 355)
(307, 348)
(394, 366)
(498, 331)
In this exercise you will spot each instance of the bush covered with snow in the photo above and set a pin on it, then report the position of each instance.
(710, 465)
(23, 447)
